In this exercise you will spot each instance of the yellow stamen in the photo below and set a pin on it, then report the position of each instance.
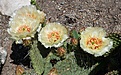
(94, 43)
(31, 15)
(53, 36)
(24, 28)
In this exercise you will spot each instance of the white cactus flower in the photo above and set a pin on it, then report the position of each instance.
(25, 23)
(53, 35)
(93, 41)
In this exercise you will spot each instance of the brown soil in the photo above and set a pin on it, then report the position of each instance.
(71, 13)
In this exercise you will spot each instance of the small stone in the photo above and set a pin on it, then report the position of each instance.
(3, 54)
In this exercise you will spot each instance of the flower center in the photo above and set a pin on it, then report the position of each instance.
(24, 28)
(31, 16)
(53, 36)
(94, 43)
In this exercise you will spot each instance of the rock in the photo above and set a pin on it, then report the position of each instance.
(7, 7)
(3, 54)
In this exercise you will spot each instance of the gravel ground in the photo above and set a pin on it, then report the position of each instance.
(71, 13)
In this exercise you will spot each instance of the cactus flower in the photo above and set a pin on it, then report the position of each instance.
(25, 22)
(94, 41)
(53, 35)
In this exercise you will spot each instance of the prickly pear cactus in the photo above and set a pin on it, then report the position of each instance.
(36, 59)
(66, 66)
(50, 60)
(48, 66)
(116, 39)
(70, 67)
(114, 72)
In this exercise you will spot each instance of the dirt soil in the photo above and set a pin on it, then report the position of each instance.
(71, 13)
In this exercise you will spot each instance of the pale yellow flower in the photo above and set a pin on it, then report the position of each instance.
(25, 23)
(94, 41)
(53, 35)
(20, 29)
(30, 12)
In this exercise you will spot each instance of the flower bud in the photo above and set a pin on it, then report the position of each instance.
(61, 51)
(19, 70)
(74, 41)
(82, 29)
(26, 42)
(53, 71)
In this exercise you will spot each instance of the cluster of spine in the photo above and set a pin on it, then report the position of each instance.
(116, 39)
(69, 66)
(114, 72)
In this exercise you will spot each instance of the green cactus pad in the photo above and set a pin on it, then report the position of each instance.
(36, 59)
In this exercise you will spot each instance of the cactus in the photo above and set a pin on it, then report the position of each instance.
(36, 59)
(116, 39)
(114, 72)
(48, 66)
(70, 67)
(49, 62)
